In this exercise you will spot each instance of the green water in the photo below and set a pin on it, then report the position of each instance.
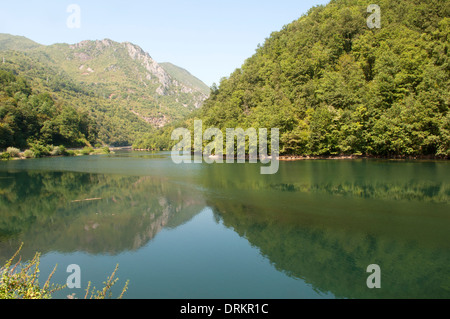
(226, 231)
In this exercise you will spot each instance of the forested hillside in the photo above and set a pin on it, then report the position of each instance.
(30, 119)
(117, 86)
(333, 86)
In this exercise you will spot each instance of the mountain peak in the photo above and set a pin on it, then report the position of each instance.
(98, 44)
(135, 51)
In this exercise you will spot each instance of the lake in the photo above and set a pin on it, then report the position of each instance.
(196, 231)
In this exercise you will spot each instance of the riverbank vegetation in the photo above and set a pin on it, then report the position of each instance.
(39, 150)
(30, 119)
(34, 122)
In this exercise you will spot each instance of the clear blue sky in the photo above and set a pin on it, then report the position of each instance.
(208, 38)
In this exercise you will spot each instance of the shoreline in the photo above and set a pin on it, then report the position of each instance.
(69, 152)
(282, 158)
(292, 158)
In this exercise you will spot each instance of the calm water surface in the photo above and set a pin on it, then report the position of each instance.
(225, 231)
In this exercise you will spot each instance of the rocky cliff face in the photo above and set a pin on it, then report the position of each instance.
(94, 49)
(168, 85)
(151, 66)
(125, 71)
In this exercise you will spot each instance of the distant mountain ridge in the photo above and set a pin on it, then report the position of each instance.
(10, 42)
(185, 77)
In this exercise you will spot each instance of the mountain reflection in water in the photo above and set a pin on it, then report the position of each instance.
(319, 222)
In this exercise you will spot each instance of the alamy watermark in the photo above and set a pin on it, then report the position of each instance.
(235, 147)
(374, 20)
(74, 20)
(74, 280)
(374, 280)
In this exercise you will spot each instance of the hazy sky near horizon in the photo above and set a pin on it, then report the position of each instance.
(208, 38)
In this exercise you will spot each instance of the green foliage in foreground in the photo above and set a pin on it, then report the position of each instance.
(335, 87)
(21, 281)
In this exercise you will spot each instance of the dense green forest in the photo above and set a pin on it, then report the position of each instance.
(29, 119)
(333, 86)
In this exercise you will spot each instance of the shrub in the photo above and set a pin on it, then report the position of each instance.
(58, 151)
(62, 149)
(21, 281)
(87, 150)
(28, 154)
(55, 152)
(5, 156)
(106, 291)
(14, 152)
(40, 150)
